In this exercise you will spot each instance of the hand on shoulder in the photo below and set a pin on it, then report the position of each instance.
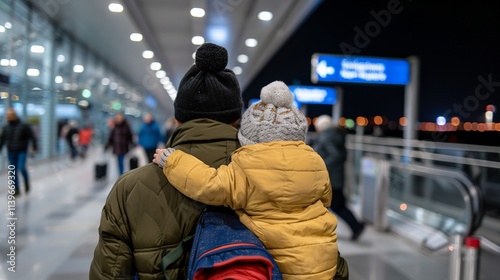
(161, 155)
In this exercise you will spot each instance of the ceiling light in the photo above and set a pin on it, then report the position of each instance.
(58, 80)
(251, 42)
(61, 58)
(78, 68)
(13, 62)
(148, 54)
(155, 66)
(242, 58)
(198, 40)
(32, 72)
(2, 29)
(4, 62)
(8, 25)
(160, 74)
(105, 81)
(165, 80)
(265, 16)
(218, 34)
(197, 12)
(120, 90)
(86, 93)
(115, 8)
(37, 49)
(136, 37)
(237, 70)
(113, 86)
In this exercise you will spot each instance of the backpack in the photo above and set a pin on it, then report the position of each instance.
(342, 269)
(224, 248)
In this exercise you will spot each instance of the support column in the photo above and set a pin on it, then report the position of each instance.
(411, 105)
(339, 104)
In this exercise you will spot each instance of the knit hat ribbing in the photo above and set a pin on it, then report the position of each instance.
(274, 118)
(208, 90)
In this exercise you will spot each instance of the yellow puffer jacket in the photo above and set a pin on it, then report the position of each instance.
(280, 191)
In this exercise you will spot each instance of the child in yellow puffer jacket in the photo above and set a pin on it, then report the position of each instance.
(278, 185)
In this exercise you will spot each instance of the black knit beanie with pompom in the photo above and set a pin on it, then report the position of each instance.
(208, 89)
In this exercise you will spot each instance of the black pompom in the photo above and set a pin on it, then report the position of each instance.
(211, 58)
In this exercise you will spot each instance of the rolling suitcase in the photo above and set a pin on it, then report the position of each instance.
(133, 162)
(101, 170)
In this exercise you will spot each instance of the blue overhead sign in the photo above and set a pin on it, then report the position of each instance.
(364, 70)
(314, 95)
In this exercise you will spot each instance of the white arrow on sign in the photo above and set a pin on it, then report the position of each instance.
(323, 69)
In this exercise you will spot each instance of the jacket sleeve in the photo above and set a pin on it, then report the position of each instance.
(224, 186)
(2, 137)
(32, 137)
(158, 135)
(113, 258)
(326, 198)
(109, 141)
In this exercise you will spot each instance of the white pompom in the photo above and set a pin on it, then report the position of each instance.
(278, 94)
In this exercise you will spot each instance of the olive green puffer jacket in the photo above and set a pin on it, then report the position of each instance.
(145, 217)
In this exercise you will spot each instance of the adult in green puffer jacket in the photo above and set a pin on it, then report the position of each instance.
(145, 216)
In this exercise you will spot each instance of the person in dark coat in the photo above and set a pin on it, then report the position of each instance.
(71, 136)
(120, 140)
(17, 136)
(170, 126)
(84, 139)
(149, 135)
(145, 217)
(330, 144)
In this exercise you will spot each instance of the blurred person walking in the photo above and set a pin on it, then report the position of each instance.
(149, 135)
(85, 138)
(72, 138)
(330, 144)
(17, 135)
(170, 126)
(120, 140)
(145, 217)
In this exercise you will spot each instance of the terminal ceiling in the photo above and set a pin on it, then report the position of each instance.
(167, 29)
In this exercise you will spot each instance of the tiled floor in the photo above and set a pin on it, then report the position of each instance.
(56, 233)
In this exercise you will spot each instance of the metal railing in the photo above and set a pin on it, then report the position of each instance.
(420, 169)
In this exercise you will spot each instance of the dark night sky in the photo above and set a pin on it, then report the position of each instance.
(456, 42)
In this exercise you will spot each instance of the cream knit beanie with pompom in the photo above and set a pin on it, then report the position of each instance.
(274, 118)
